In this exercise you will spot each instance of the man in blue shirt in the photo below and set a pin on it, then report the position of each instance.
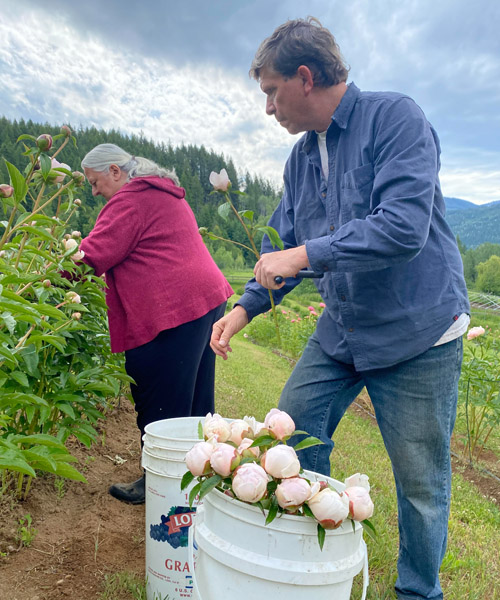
(362, 206)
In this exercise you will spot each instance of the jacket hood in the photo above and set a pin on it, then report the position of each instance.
(141, 184)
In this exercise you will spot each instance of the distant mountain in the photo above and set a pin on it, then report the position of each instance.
(475, 224)
(458, 204)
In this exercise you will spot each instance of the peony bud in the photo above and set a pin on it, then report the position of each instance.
(292, 493)
(216, 426)
(70, 244)
(78, 255)
(255, 426)
(78, 178)
(358, 480)
(224, 459)
(6, 190)
(220, 181)
(46, 283)
(203, 231)
(66, 130)
(198, 458)
(76, 316)
(360, 503)
(328, 508)
(240, 429)
(281, 462)
(250, 482)
(2, 253)
(73, 297)
(78, 202)
(475, 332)
(279, 424)
(44, 142)
(245, 450)
(76, 234)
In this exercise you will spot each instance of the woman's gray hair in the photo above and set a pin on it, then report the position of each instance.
(103, 156)
(302, 42)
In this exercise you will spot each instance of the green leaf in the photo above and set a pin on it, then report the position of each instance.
(20, 378)
(307, 443)
(246, 214)
(26, 136)
(186, 479)
(13, 461)
(369, 529)
(18, 182)
(200, 430)
(31, 358)
(67, 471)
(273, 510)
(273, 235)
(264, 440)
(42, 439)
(67, 409)
(193, 493)
(321, 536)
(46, 165)
(55, 340)
(307, 511)
(224, 210)
(8, 356)
(209, 484)
(20, 399)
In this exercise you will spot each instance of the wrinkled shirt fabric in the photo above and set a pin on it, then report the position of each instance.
(158, 271)
(392, 272)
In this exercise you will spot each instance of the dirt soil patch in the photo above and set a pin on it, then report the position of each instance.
(83, 534)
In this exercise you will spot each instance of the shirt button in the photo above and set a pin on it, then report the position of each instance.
(323, 194)
(342, 298)
(351, 329)
(332, 227)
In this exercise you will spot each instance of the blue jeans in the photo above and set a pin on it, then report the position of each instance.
(415, 405)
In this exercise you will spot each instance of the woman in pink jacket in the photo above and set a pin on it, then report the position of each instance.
(164, 290)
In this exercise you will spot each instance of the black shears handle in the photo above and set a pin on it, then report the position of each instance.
(305, 274)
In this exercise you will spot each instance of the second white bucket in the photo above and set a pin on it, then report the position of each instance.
(168, 516)
(238, 556)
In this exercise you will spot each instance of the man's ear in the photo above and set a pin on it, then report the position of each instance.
(115, 171)
(307, 78)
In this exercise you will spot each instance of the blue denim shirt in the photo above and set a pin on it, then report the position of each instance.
(393, 277)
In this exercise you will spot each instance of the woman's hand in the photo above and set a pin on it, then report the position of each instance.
(224, 329)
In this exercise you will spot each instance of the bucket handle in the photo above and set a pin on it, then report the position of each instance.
(197, 517)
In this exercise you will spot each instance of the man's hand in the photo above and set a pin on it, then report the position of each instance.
(224, 329)
(286, 263)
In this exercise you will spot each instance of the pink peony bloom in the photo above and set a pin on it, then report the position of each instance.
(475, 332)
(358, 479)
(239, 429)
(245, 450)
(360, 503)
(55, 164)
(322, 305)
(311, 308)
(220, 181)
(292, 493)
(281, 462)
(250, 482)
(255, 426)
(76, 316)
(73, 297)
(224, 459)
(6, 190)
(279, 424)
(328, 508)
(314, 313)
(198, 458)
(216, 426)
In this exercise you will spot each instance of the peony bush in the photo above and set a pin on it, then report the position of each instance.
(252, 463)
(56, 369)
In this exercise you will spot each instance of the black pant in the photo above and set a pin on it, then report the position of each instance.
(175, 372)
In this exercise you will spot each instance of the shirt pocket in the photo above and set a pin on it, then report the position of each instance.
(357, 186)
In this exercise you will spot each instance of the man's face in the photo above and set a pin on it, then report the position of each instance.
(286, 100)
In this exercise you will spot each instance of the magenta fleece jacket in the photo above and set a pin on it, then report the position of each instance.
(158, 270)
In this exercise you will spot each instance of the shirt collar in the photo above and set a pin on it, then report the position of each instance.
(341, 115)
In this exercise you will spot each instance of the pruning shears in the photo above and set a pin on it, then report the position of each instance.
(304, 274)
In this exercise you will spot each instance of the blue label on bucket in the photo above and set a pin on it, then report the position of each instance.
(173, 527)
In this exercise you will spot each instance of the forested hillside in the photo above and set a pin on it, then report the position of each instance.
(476, 225)
(192, 164)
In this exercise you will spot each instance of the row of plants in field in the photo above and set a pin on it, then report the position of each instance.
(56, 370)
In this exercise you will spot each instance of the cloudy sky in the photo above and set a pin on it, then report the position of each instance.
(177, 71)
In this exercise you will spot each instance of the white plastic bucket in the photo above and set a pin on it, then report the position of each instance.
(239, 556)
(168, 516)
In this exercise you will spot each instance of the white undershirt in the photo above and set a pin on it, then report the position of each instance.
(458, 327)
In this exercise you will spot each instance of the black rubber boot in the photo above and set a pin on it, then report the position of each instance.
(133, 493)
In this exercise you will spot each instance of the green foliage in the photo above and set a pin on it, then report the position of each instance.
(479, 391)
(488, 275)
(56, 369)
(476, 225)
(473, 257)
(26, 533)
